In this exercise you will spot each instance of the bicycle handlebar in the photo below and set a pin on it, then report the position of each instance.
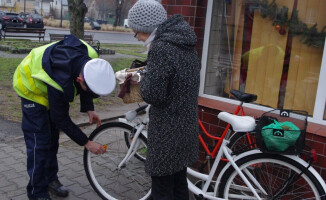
(131, 115)
(141, 108)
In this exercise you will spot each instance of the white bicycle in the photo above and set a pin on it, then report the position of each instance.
(119, 173)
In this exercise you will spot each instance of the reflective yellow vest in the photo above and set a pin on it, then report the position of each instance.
(30, 78)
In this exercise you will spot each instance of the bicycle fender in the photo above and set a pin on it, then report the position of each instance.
(257, 151)
(312, 170)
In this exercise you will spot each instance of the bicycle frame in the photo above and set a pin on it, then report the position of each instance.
(135, 143)
(208, 178)
(213, 153)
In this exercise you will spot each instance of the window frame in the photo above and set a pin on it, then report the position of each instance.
(319, 109)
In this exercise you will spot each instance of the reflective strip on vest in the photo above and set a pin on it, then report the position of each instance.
(30, 78)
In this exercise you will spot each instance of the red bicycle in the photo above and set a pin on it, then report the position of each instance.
(239, 142)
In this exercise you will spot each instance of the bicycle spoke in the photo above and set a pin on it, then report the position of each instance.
(280, 179)
(130, 181)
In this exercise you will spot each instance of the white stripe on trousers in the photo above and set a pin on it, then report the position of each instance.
(32, 181)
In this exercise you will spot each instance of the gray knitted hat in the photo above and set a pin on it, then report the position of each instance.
(146, 15)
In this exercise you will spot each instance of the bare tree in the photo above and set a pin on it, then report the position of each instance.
(77, 10)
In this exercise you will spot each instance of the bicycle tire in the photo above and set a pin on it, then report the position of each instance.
(131, 181)
(239, 142)
(272, 171)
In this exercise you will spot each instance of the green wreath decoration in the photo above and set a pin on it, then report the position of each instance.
(309, 35)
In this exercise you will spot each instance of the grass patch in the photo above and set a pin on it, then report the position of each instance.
(10, 102)
(121, 63)
(7, 70)
(87, 26)
(21, 43)
(129, 49)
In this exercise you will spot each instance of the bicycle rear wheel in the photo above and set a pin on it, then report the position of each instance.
(277, 175)
(109, 182)
(241, 141)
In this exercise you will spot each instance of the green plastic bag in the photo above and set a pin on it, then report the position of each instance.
(279, 136)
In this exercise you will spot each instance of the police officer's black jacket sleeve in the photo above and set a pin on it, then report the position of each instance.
(86, 100)
(59, 113)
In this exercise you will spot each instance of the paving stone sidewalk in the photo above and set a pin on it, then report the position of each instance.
(13, 174)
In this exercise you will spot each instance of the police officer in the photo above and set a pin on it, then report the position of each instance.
(47, 80)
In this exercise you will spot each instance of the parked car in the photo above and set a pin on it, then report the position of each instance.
(86, 19)
(10, 19)
(32, 20)
(95, 25)
(101, 21)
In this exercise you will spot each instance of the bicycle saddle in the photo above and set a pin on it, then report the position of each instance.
(245, 97)
(238, 123)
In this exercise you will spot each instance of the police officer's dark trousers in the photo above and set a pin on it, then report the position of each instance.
(41, 140)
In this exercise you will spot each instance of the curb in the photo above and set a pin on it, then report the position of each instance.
(84, 124)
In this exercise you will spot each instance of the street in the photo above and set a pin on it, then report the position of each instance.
(102, 36)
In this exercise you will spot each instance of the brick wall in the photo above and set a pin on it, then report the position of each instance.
(194, 12)
(214, 126)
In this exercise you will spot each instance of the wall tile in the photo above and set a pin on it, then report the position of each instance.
(183, 2)
(191, 21)
(319, 147)
(319, 138)
(207, 118)
(188, 11)
(194, 2)
(321, 161)
(172, 10)
(309, 136)
(170, 2)
(201, 12)
(202, 3)
(199, 32)
(323, 174)
(200, 22)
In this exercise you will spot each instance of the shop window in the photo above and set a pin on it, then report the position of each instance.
(270, 49)
(325, 112)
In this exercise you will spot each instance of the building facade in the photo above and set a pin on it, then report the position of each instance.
(60, 7)
(275, 51)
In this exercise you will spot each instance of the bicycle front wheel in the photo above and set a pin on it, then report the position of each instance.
(130, 181)
(273, 177)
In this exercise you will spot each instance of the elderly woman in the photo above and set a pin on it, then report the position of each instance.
(171, 86)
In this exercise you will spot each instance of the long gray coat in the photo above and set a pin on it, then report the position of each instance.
(171, 86)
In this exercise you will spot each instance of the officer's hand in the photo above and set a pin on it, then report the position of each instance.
(94, 147)
(94, 117)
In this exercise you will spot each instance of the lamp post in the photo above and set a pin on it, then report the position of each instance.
(42, 7)
(61, 15)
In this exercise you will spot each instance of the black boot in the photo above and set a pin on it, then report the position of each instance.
(56, 188)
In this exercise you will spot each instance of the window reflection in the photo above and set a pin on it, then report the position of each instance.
(325, 112)
(256, 54)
